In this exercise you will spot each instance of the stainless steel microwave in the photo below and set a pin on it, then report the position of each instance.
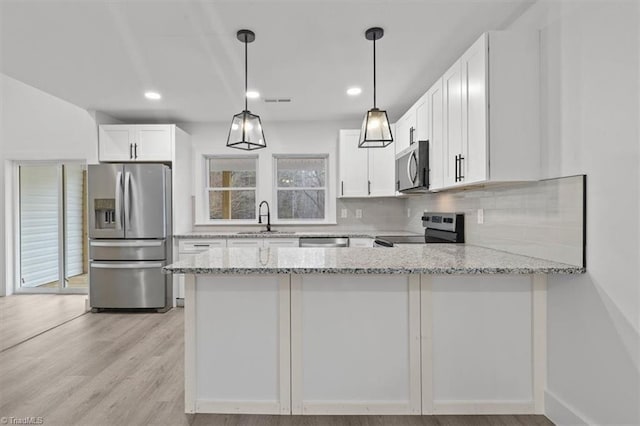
(412, 168)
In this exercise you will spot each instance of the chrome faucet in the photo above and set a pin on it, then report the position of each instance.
(268, 215)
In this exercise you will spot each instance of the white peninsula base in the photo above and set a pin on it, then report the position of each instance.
(365, 344)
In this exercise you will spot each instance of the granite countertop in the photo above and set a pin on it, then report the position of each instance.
(286, 234)
(411, 259)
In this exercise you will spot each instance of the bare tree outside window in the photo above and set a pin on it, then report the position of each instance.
(232, 187)
(301, 187)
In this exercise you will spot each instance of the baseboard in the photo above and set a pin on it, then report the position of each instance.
(237, 407)
(561, 413)
(355, 408)
(483, 407)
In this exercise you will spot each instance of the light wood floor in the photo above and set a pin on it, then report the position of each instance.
(127, 369)
(77, 281)
(26, 315)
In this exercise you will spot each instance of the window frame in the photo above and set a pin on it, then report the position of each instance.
(205, 208)
(327, 195)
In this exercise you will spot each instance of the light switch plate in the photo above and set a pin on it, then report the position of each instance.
(358, 213)
(344, 213)
(480, 216)
(408, 211)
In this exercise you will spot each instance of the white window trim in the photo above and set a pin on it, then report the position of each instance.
(328, 204)
(203, 209)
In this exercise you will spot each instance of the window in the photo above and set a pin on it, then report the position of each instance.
(301, 188)
(231, 188)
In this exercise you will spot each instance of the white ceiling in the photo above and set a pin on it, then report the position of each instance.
(104, 55)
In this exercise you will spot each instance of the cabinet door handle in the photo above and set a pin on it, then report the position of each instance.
(411, 130)
(341, 187)
(135, 151)
(461, 177)
(130, 151)
(397, 185)
(369, 187)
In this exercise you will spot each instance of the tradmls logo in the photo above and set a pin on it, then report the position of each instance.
(21, 420)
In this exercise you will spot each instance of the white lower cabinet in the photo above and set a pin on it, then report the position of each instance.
(281, 242)
(194, 246)
(242, 345)
(200, 245)
(355, 344)
(244, 242)
(365, 344)
(360, 242)
(262, 242)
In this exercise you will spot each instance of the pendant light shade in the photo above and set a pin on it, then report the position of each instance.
(375, 131)
(246, 128)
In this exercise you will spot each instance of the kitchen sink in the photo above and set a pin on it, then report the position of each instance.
(264, 232)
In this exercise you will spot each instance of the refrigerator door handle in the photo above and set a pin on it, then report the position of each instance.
(158, 243)
(141, 265)
(127, 201)
(118, 212)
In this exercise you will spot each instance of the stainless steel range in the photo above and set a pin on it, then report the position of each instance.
(439, 228)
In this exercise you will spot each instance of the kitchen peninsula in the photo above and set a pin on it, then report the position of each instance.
(405, 330)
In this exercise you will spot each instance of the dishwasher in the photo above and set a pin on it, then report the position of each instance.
(324, 242)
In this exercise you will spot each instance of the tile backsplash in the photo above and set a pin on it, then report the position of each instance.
(541, 219)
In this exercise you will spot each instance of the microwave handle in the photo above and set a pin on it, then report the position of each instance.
(412, 175)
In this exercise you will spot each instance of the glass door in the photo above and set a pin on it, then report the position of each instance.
(53, 252)
(76, 249)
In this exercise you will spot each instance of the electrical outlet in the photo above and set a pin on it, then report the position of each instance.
(344, 213)
(480, 216)
(408, 211)
(358, 213)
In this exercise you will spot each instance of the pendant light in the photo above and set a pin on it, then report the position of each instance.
(246, 128)
(376, 131)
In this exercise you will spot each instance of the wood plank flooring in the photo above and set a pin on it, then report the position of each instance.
(127, 369)
(26, 315)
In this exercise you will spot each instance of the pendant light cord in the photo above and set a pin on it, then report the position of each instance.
(246, 74)
(374, 71)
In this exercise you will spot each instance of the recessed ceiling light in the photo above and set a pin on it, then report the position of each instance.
(354, 91)
(152, 95)
(252, 94)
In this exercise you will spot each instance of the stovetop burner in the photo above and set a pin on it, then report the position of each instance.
(440, 228)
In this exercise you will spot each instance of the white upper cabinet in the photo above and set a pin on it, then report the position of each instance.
(434, 133)
(382, 171)
(406, 130)
(452, 124)
(353, 165)
(364, 172)
(491, 111)
(154, 143)
(125, 142)
(474, 167)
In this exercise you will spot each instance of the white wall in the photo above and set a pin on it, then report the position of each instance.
(590, 115)
(37, 126)
(313, 137)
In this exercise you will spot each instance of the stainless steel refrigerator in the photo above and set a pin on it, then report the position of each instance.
(129, 236)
